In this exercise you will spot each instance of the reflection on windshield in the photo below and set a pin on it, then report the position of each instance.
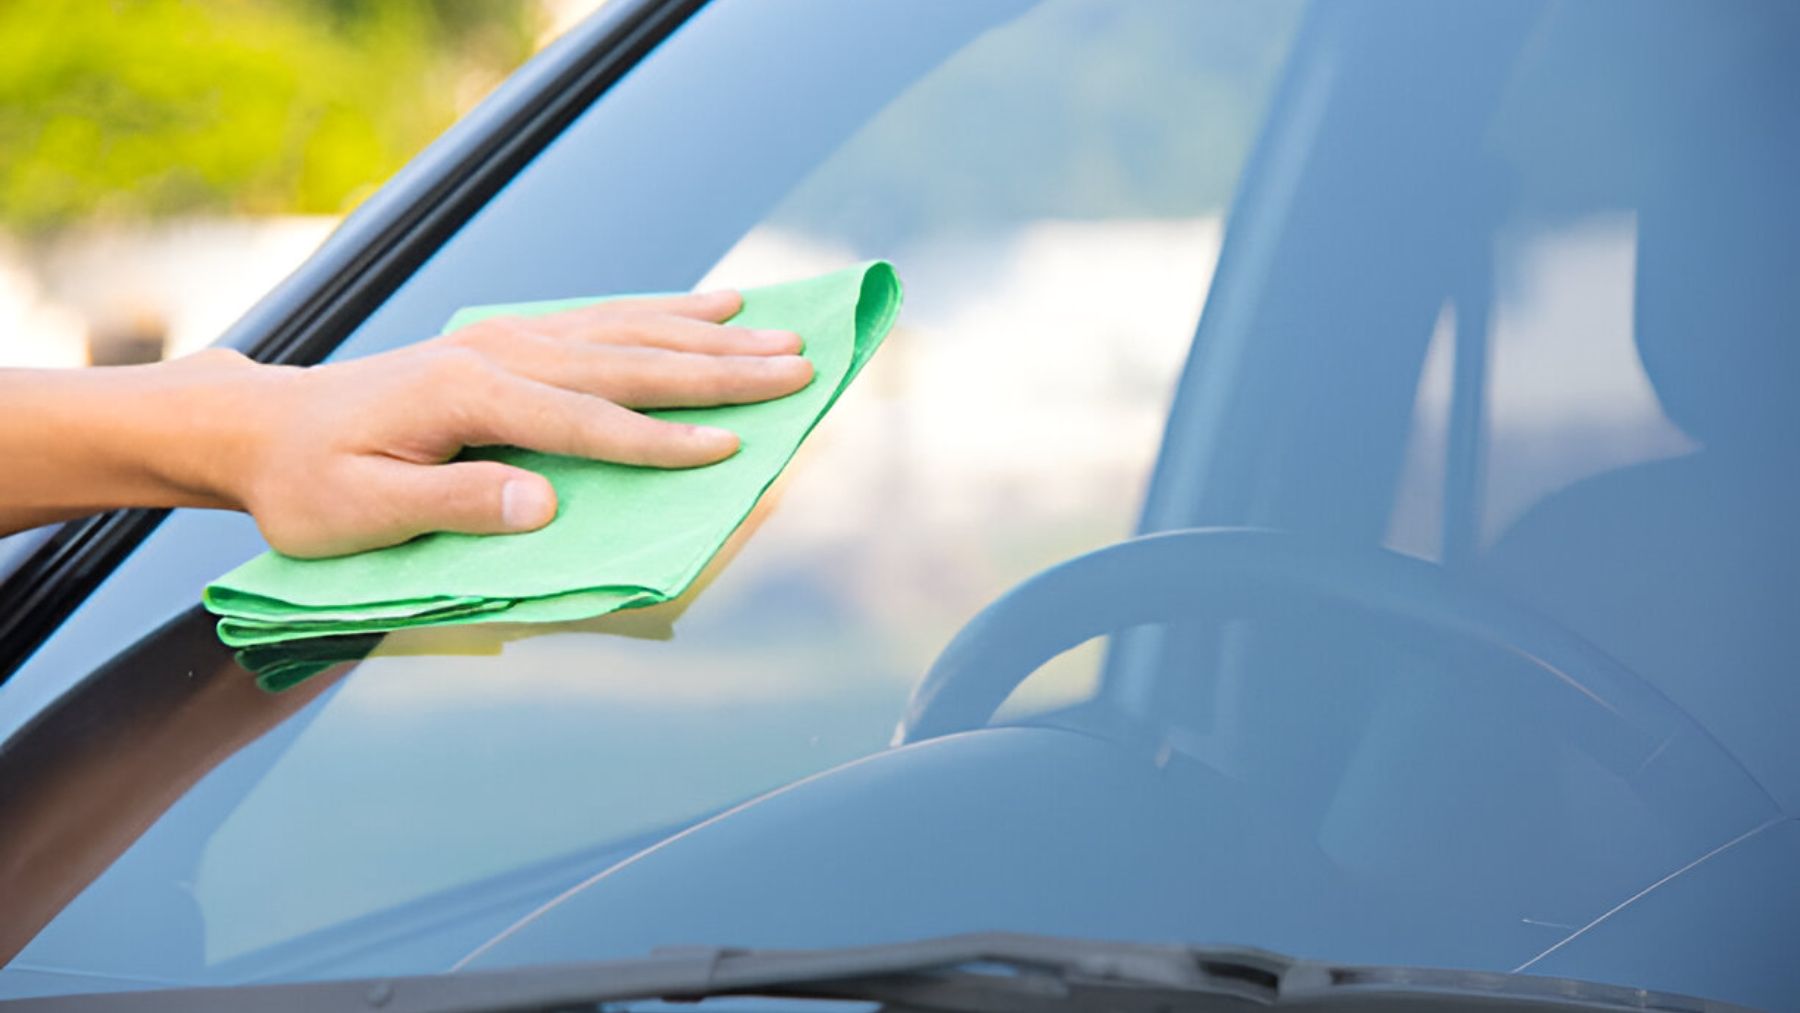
(136, 737)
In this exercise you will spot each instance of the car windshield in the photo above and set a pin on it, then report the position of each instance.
(1457, 639)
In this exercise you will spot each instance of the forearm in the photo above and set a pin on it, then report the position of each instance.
(75, 442)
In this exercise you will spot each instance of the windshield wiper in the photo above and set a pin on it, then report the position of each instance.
(978, 973)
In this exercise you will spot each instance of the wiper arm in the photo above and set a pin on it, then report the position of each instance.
(977, 973)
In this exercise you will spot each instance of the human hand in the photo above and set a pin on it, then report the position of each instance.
(359, 454)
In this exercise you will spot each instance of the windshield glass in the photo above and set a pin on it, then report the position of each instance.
(1494, 358)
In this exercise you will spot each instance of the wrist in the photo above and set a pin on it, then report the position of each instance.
(176, 434)
(200, 432)
(168, 434)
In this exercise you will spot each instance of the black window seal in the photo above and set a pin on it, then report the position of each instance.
(375, 250)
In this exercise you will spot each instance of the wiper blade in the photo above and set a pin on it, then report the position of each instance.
(976, 973)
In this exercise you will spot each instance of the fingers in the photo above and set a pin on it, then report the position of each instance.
(680, 334)
(661, 330)
(685, 323)
(716, 306)
(472, 497)
(657, 378)
(505, 408)
(383, 501)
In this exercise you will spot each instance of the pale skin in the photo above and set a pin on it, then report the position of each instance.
(361, 454)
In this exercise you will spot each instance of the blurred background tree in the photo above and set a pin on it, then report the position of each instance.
(122, 110)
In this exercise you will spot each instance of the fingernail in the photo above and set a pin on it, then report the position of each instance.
(783, 365)
(781, 339)
(526, 505)
(712, 434)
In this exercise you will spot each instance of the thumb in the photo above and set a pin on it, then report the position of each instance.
(472, 497)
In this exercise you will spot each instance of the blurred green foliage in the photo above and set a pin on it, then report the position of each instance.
(148, 108)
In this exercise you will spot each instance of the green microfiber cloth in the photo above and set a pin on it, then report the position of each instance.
(287, 664)
(623, 536)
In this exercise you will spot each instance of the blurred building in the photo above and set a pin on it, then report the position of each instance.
(112, 296)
